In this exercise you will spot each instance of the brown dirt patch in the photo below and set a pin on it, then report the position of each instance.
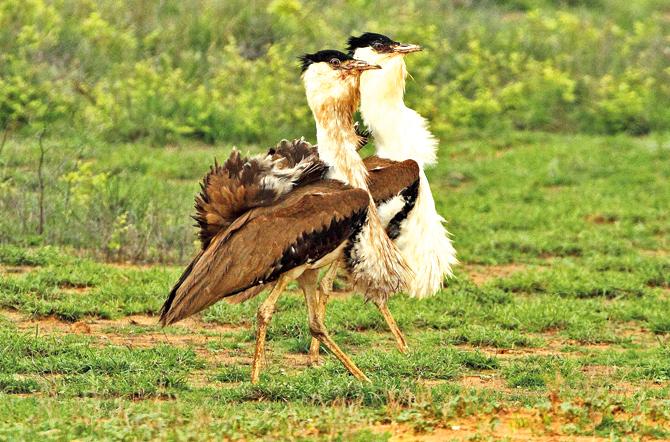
(638, 335)
(596, 371)
(77, 290)
(513, 425)
(630, 388)
(81, 327)
(99, 326)
(555, 344)
(145, 340)
(15, 270)
(485, 382)
(11, 315)
(115, 332)
(482, 274)
(514, 352)
(296, 360)
(655, 253)
(602, 218)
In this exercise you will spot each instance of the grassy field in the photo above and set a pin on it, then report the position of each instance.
(554, 176)
(556, 324)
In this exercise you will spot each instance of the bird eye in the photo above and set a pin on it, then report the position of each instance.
(335, 61)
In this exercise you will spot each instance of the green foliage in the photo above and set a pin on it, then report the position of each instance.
(232, 373)
(165, 71)
(309, 387)
(87, 371)
(109, 292)
(21, 256)
(12, 385)
(539, 372)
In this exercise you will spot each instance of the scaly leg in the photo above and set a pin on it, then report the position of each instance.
(264, 316)
(318, 329)
(325, 288)
(397, 334)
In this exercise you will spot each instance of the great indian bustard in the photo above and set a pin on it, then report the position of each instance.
(400, 134)
(265, 221)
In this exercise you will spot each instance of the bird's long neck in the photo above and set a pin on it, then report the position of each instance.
(338, 142)
(399, 132)
(378, 267)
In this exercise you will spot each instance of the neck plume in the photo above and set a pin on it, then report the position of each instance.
(338, 141)
(376, 265)
(400, 133)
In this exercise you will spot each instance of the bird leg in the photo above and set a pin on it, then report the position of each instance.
(308, 284)
(264, 316)
(325, 288)
(397, 334)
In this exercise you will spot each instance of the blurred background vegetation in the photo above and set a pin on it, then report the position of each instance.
(91, 89)
(226, 70)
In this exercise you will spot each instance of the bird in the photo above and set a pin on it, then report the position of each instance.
(400, 135)
(271, 219)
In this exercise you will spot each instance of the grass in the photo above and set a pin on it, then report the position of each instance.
(556, 315)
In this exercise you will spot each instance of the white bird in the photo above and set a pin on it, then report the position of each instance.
(400, 133)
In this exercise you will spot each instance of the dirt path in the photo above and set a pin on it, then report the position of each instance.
(516, 425)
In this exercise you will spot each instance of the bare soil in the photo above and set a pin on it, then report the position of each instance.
(485, 382)
(509, 425)
(15, 270)
(482, 274)
(519, 424)
(116, 332)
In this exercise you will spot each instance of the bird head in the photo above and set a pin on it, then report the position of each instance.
(378, 48)
(331, 80)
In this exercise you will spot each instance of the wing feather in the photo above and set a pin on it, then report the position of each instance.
(242, 184)
(389, 178)
(257, 248)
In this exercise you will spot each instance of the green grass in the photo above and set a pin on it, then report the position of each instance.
(580, 316)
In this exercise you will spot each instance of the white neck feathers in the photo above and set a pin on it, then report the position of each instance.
(379, 269)
(400, 133)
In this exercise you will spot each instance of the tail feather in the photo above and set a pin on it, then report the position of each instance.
(242, 184)
(165, 309)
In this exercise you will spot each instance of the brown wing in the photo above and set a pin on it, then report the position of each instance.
(242, 184)
(257, 248)
(388, 178)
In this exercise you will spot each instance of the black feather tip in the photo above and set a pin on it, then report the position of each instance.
(368, 39)
(322, 56)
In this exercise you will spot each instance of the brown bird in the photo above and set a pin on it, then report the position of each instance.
(271, 220)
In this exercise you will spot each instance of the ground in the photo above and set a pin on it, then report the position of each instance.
(555, 326)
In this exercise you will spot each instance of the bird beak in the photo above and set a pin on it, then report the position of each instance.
(359, 65)
(406, 48)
